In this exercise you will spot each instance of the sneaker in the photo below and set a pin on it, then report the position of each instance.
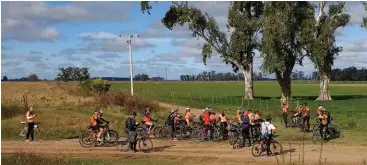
(174, 139)
(99, 140)
(27, 140)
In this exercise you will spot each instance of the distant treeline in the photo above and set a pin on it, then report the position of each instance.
(346, 74)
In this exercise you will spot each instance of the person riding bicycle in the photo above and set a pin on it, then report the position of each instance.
(94, 123)
(267, 131)
(147, 120)
(31, 121)
(285, 109)
(188, 117)
(318, 111)
(245, 128)
(324, 118)
(306, 117)
(223, 124)
(131, 126)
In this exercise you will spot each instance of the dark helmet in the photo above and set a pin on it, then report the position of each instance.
(133, 113)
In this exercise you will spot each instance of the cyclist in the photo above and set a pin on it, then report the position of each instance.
(318, 111)
(324, 118)
(171, 121)
(223, 124)
(94, 124)
(147, 120)
(207, 123)
(31, 120)
(306, 117)
(245, 128)
(267, 131)
(252, 123)
(131, 126)
(188, 117)
(297, 113)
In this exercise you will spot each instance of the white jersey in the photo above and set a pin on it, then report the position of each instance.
(266, 127)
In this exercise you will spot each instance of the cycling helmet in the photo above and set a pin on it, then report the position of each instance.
(241, 111)
(187, 109)
(133, 113)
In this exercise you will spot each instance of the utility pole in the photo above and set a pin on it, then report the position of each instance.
(131, 64)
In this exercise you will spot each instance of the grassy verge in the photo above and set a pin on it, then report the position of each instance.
(66, 123)
(29, 158)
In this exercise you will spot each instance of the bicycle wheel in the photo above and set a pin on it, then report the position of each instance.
(166, 131)
(197, 135)
(336, 131)
(110, 137)
(86, 139)
(156, 132)
(122, 144)
(145, 144)
(22, 134)
(232, 137)
(40, 134)
(316, 136)
(276, 148)
(255, 151)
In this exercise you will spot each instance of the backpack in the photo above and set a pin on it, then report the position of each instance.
(170, 119)
(265, 127)
(245, 119)
(129, 124)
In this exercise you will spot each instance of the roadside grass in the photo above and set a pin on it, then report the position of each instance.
(20, 158)
(67, 123)
(348, 107)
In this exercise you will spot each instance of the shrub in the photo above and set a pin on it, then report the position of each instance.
(87, 84)
(10, 109)
(100, 86)
(124, 99)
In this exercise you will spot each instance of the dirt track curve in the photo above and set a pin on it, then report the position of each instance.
(217, 153)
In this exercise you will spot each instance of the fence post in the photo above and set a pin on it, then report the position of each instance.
(212, 99)
(260, 103)
(201, 100)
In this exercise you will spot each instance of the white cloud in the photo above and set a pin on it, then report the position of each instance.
(39, 18)
(97, 35)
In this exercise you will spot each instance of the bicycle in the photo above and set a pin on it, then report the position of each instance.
(275, 147)
(36, 131)
(143, 141)
(108, 136)
(293, 121)
(332, 132)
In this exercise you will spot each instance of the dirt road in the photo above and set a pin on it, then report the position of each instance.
(219, 153)
(199, 153)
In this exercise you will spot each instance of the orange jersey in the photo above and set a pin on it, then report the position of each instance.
(93, 120)
(306, 111)
(188, 115)
(147, 118)
(324, 119)
(30, 120)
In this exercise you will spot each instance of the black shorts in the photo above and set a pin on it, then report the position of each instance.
(95, 128)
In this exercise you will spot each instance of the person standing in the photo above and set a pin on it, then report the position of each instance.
(285, 109)
(131, 126)
(245, 128)
(306, 117)
(31, 120)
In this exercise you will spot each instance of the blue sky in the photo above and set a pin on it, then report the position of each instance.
(39, 37)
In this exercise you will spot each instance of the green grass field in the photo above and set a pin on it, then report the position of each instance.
(348, 106)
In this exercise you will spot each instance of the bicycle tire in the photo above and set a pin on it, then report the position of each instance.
(113, 137)
(85, 140)
(255, 150)
(147, 143)
(316, 136)
(272, 146)
(337, 128)
(40, 133)
(22, 134)
(123, 145)
(232, 137)
(156, 132)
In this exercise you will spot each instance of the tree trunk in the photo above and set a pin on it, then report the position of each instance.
(249, 91)
(285, 86)
(324, 87)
